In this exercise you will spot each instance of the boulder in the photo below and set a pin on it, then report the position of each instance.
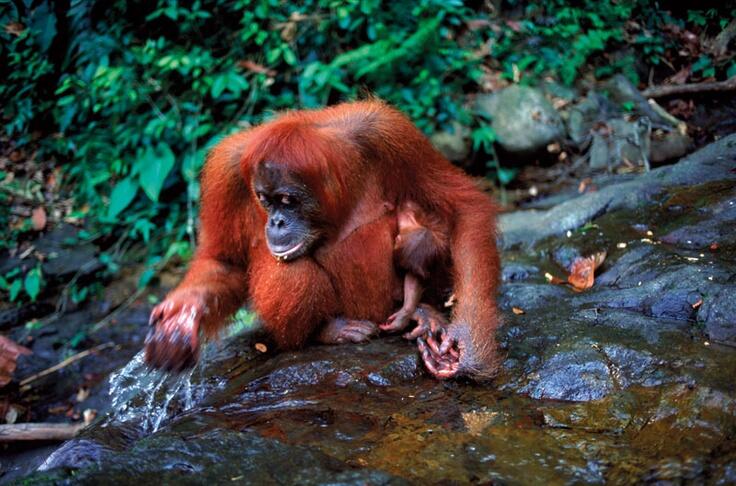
(523, 119)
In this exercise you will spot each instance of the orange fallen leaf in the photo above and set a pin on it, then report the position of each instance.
(9, 352)
(698, 303)
(262, 348)
(38, 218)
(582, 271)
(518, 311)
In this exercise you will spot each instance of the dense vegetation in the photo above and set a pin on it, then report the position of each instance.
(127, 96)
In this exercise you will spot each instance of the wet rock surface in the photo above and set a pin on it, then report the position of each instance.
(630, 381)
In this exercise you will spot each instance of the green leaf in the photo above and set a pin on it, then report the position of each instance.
(15, 289)
(77, 339)
(701, 64)
(218, 85)
(32, 283)
(122, 195)
(153, 167)
(43, 22)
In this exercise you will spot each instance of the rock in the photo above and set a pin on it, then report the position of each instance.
(522, 118)
(557, 90)
(516, 271)
(583, 116)
(668, 145)
(453, 144)
(622, 91)
(711, 163)
(65, 255)
(600, 157)
(715, 226)
(718, 313)
(531, 296)
(634, 367)
(217, 454)
(577, 376)
(621, 143)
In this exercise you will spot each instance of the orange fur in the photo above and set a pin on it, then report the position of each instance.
(362, 160)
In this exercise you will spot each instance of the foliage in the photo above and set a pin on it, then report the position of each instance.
(133, 93)
(15, 283)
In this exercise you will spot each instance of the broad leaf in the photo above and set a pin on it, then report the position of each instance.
(32, 283)
(153, 168)
(122, 195)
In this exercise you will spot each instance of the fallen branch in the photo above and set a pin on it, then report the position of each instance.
(676, 89)
(38, 431)
(71, 359)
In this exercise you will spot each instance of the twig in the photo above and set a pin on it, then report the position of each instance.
(668, 117)
(39, 431)
(690, 88)
(66, 362)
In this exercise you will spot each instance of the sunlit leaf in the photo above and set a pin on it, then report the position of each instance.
(32, 283)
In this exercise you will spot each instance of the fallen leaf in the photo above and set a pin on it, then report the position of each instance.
(582, 271)
(9, 352)
(714, 246)
(262, 348)
(38, 218)
(518, 311)
(698, 303)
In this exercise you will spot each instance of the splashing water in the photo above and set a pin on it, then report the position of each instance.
(150, 396)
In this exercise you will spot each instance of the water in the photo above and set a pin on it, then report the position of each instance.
(141, 394)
